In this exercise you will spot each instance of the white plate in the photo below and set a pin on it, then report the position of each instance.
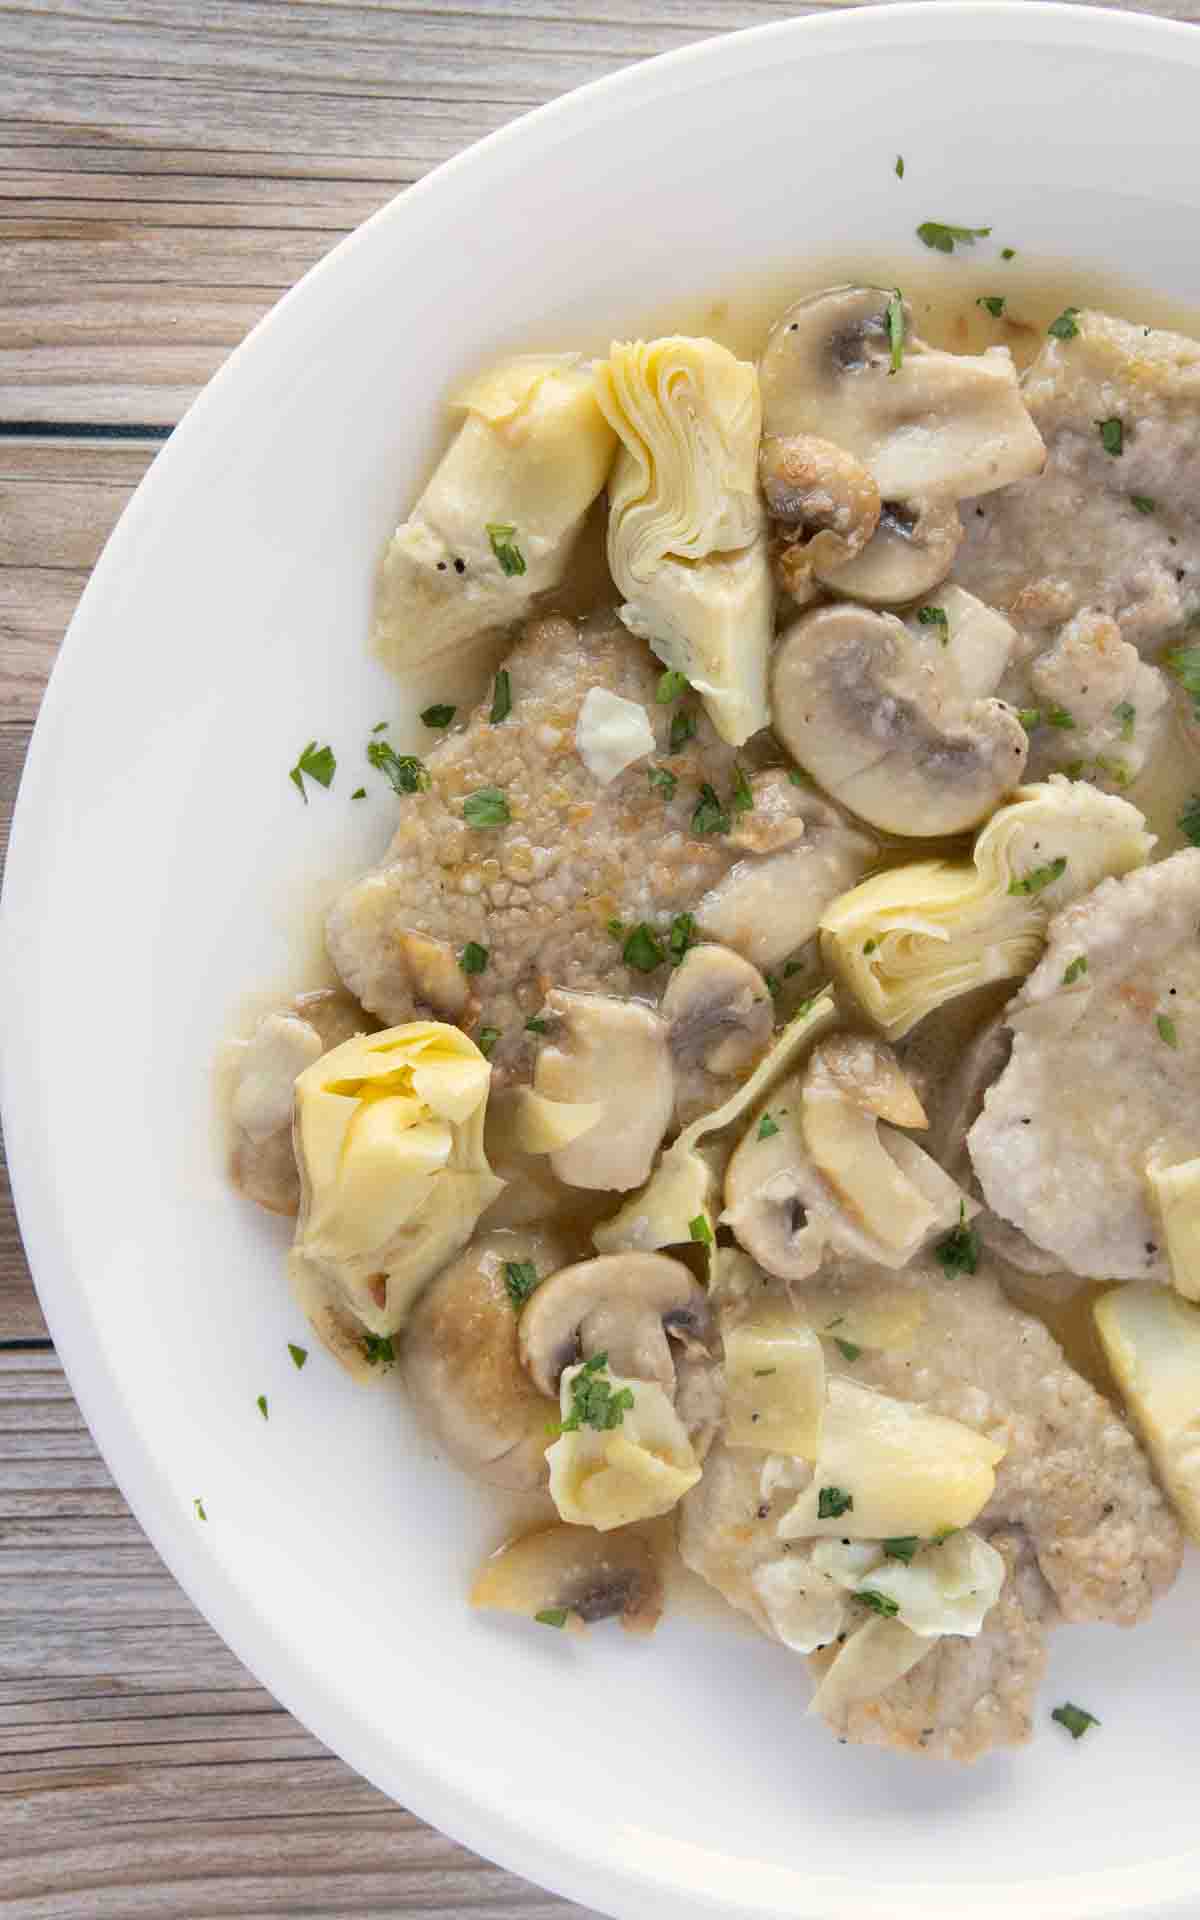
(162, 864)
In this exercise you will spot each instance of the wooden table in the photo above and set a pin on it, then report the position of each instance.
(166, 170)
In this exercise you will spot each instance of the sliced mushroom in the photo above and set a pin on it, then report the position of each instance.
(825, 501)
(613, 1052)
(720, 1018)
(928, 428)
(588, 1576)
(878, 721)
(852, 1083)
(621, 1304)
(768, 905)
(462, 1367)
(912, 552)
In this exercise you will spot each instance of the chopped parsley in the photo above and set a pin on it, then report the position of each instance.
(1076, 1720)
(944, 238)
(774, 984)
(299, 1355)
(899, 166)
(261, 1404)
(1189, 820)
(534, 1025)
(1030, 717)
(551, 1617)
(959, 1251)
(671, 686)
(1060, 717)
(473, 958)
(741, 800)
(767, 1128)
(1141, 503)
(1065, 327)
(1165, 1028)
(1075, 971)
(488, 1036)
(406, 773)
(869, 946)
(1112, 436)
(902, 1548)
(593, 1402)
(683, 936)
(360, 793)
(1008, 253)
(198, 1504)
(378, 1350)
(505, 548)
(501, 697)
(935, 617)
(1039, 877)
(381, 726)
(700, 1230)
(1184, 663)
(709, 815)
(1126, 713)
(832, 1503)
(520, 1280)
(663, 779)
(643, 949)
(796, 777)
(683, 728)
(795, 965)
(878, 1602)
(318, 763)
(993, 303)
(895, 328)
(486, 807)
(847, 1348)
(616, 928)
(764, 1373)
(438, 716)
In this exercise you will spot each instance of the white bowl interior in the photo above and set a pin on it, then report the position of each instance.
(163, 866)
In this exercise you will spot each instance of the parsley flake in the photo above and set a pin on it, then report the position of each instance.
(1141, 503)
(700, 1230)
(1075, 971)
(551, 1617)
(1060, 717)
(473, 958)
(869, 946)
(1076, 1720)
(381, 726)
(935, 617)
(486, 807)
(593, 1402)
(616, 928)
(774, 984)
(959, 1251)
(1112, 436)
(1165, 1028)
(501, 697)
(878, 1602)
(993, 303)
(261, 1404)
(299, 1355)
(895, 330)
(1039, 877)
(944, 238)
(198, 1504)
(741, 800)
(521, 1278)
(901, 1548)
(438, 717)
(1065, 328)
(534, 1025)
(683, 728)
(663, 779)
(505, 548)
(671, 685)
(709, 815)
(406, 773)
(767, 1128)
(899, 166)
(1189, 820)
(1030, 717)
(360, 793)
(847, 1348)
(318, 763)
(486, 1041)
(832, 1503)
(1008, 253)
(683, 936)
(1184, 663)
(378, 1350)
(1126, 713)
(643, 949)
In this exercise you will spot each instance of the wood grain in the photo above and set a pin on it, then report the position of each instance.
(166, 171)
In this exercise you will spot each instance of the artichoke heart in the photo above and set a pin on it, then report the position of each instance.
(913, 937)
(496, 525)
(1176, 1192)
(606, 1476)
(774, 1385)
(389, 1143)
(1152, 1340)
(686, 527)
